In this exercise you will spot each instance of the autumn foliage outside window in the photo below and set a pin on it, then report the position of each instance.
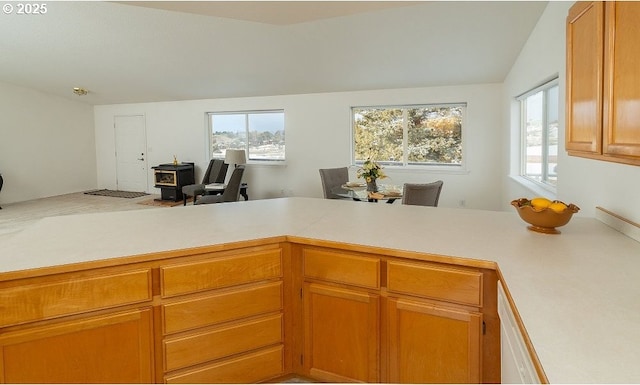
(409, 135)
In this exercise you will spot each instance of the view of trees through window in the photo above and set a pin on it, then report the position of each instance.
(409, 135)
(260, 133)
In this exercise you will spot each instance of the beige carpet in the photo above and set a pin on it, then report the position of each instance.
(14, 217)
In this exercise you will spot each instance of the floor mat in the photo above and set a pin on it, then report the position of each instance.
(116, 194)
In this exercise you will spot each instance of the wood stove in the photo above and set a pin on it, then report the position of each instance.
(170, 178)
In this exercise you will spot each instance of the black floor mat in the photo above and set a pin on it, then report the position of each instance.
(116, 194)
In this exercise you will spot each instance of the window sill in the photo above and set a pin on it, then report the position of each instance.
(535, 188)
(267, 163)
(451, 170)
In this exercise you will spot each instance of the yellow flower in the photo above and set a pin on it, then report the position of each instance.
(370, 171)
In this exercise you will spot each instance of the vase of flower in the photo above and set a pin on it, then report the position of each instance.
(372, 186)
(371, 171)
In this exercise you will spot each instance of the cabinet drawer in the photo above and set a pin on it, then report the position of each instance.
(438, 282)
(218, 343)
(221, 272)
(247, 369)
(34, 302)
(342, 268)
(222, 307)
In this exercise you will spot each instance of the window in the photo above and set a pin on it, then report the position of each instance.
(422, 135)
(259, 133)
(539, 109)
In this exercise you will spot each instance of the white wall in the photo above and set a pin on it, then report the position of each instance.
(587, 183)
(47, 145)
(318, 136)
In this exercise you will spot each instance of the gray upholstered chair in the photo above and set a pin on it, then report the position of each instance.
(231, 192)
(216, 173)
(424, 194)
(333, 177)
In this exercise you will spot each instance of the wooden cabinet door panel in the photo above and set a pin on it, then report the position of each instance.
(585, 41)
(341, 334)
(622, 82)
(432, 344)
(108, 349)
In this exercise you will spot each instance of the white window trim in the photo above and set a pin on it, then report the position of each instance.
(413, 168)
(539, 188)
(253, 162)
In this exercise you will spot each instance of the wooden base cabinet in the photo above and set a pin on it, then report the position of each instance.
(114, 348)
(433, 344)
(373, 318)
(223, 318)
(341, 334)
(251, 313)
(434, 323)
(83, 327)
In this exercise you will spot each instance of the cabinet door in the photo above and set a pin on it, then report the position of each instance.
(585, 39)
(341, 334)
(622, 79)
(432, 344)
(114, 348)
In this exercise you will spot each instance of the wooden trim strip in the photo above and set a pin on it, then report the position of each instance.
(139, 258)
(619, 223)
(412, 255)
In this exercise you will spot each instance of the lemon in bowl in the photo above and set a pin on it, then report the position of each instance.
(544, 215)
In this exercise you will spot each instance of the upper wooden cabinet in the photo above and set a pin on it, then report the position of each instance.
(622, 80)
(585, 42)
(603, 85)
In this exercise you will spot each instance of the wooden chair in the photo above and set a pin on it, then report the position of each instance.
(422, 194)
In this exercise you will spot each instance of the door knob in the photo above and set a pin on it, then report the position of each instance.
(140, 158)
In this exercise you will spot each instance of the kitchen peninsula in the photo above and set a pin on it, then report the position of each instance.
(576, 293)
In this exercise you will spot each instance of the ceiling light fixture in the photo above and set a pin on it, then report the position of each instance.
(80, 91)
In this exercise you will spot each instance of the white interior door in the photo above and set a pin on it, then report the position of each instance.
(131, 153)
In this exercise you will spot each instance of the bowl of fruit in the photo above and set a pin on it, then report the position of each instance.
(544, 215)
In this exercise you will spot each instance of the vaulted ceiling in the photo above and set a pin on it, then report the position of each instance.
(126, 52)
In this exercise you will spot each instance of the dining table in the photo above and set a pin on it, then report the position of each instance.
(358, 192)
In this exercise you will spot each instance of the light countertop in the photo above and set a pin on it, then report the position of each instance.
(578, 293)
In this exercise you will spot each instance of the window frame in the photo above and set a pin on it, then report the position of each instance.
(544, 87)
(246, 114)
(450, 168)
